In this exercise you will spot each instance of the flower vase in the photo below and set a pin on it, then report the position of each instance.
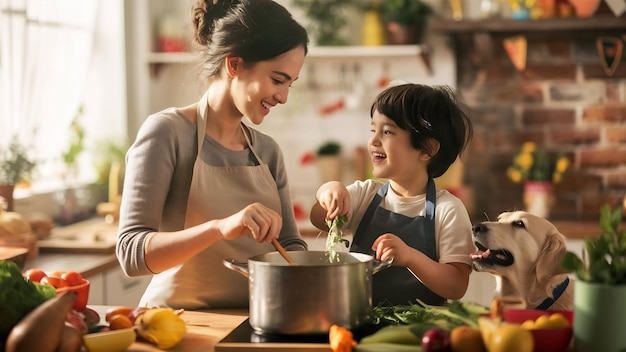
(539, 198)
(330, 167)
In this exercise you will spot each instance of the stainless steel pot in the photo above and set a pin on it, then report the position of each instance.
(309, 297)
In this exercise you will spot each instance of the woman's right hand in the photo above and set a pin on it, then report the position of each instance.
(263, 222)
(334, 197)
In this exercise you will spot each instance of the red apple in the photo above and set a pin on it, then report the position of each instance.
(436, 340)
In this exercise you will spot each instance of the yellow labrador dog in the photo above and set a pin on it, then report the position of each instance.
(524, 252)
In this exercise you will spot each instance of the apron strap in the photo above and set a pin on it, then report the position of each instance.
(382, 191)
(201, 109)
(431, 198)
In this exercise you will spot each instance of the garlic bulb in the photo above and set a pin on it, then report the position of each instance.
(161, 326)
(12, 223)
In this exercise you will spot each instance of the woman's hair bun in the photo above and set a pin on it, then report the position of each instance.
(205, 13)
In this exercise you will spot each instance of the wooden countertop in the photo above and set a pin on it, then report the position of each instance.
(204, 329)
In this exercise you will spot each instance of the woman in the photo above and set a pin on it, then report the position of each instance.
(200, 185)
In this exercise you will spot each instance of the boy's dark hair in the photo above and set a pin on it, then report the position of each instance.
(428, 112)
(255, 30)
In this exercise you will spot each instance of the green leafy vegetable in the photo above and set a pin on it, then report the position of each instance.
(334, 237)
(18, 296)
(426, 316)
(400, 334)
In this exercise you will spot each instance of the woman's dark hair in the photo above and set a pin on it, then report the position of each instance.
(428, 112)
(255, 30)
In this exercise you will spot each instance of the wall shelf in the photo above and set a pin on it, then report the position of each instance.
(482, 35)
(578, 25)
(315, 52)
(365, 51)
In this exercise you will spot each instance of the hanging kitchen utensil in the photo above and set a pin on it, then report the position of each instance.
(339, 103)
(424, 55)
(610, 51)
(356, 87)
(384, 79)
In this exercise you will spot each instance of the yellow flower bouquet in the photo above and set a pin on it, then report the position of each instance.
(533, 164)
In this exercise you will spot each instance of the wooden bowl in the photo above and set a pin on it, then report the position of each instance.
(16, 255)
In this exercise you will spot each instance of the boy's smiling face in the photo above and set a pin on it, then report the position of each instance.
(393, 156)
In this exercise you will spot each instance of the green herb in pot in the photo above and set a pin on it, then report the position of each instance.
(335, 237)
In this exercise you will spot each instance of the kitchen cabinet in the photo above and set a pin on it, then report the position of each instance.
(122, 290)
(113, 287)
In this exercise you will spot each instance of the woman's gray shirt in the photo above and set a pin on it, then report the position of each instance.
(159, 166)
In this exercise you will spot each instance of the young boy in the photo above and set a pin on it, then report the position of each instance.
(417, 133)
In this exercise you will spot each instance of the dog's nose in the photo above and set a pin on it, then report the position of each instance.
(479, 228)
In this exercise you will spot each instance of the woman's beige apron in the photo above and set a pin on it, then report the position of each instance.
(216, 192)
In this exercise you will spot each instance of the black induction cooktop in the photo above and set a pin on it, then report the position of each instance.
(244, 337)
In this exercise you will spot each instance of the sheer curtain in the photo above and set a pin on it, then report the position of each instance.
(45, 51)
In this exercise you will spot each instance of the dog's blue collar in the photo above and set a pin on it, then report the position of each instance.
(556, 293)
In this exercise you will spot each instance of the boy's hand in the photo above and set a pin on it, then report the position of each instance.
(335, 199)
(391, 247)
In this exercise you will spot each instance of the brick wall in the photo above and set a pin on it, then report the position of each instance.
(563, 101)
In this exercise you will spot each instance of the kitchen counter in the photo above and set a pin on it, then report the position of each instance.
(204, 329)
(86, 264)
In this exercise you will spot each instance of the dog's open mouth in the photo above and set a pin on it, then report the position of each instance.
(487, 256)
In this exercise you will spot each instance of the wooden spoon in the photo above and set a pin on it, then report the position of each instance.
(283, 252)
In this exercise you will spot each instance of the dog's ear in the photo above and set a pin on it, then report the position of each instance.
(551, 256)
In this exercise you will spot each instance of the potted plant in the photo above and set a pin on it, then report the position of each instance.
(15, 167)
(600, 288)
(405, 20)
(327, 18)
(329, 161)
(76, 146)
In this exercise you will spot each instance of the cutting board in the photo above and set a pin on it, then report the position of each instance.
(90, 236)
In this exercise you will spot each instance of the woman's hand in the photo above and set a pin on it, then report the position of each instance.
(334, 197)
(392, 247)
(261, 221)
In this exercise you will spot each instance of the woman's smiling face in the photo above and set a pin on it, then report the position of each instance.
(393, 156)
(259, 87)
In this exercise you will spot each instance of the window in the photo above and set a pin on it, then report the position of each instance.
(61, 60)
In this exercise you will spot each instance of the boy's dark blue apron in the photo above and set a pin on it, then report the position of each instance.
(397, 285)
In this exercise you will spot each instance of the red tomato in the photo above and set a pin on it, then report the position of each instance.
(56, 274)
(73, 278)
(55, 282)
(35, 275)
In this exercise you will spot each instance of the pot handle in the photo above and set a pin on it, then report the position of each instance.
(378, 265)
(233, 265)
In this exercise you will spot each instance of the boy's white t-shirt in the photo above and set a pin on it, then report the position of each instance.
(453, 227)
